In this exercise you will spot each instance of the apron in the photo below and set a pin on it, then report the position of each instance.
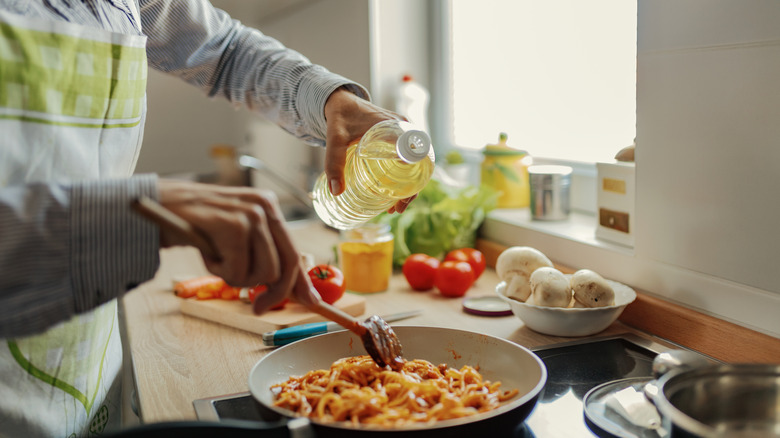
(72, 107)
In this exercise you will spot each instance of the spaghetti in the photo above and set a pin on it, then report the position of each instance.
(357, 390)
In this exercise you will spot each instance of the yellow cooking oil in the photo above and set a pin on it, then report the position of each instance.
(393, 160)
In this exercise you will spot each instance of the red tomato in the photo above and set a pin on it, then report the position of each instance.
(329, 282)
(257, 290)
(473, 256)
(420, 270)
(454, 278)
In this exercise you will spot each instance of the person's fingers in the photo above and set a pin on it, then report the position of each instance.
(402, 205)
(304, 291)
(289, 268)
(348, 117)
(266, 261)
(253, 257)
(229, 229)
(235, 221)
(335, 158)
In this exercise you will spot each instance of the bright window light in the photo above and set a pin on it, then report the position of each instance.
(558, 76)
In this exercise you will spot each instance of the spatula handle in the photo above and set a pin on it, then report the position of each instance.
(340, 317)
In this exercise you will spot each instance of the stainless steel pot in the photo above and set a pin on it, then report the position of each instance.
(716, 400)
(497, 359)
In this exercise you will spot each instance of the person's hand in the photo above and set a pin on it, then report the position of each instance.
(348, 117)
(241, 223)
(293, 281)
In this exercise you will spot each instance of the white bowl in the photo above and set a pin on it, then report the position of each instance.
(574, 321)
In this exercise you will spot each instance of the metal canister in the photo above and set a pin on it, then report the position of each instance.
(550, 196)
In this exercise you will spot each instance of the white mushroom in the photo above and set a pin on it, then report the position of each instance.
(550, 288)
(591, 290)
(515, 266)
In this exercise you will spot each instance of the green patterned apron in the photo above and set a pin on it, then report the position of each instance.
(72, 107)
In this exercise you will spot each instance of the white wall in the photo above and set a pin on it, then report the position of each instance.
(182, 124)
(708, 103)
(401, 39)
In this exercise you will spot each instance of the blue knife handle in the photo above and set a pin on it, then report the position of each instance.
(291, 334)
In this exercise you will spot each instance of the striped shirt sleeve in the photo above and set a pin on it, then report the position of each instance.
(207, 48)
(61, 252)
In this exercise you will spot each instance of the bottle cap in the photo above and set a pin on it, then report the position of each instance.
(413, 144)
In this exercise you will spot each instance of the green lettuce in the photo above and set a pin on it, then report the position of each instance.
(442, 218)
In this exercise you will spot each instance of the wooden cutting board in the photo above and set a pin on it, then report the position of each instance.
(239, 314)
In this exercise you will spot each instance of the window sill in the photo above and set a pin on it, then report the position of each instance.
(578, 229)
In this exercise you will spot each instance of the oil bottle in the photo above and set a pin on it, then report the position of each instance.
(392, 161)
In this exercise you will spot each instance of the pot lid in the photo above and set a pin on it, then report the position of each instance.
(620, 408)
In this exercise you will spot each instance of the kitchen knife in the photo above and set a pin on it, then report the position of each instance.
(287, 335)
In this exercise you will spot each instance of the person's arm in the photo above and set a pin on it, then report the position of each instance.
(210, 50)
(61, 254)
(207, 48)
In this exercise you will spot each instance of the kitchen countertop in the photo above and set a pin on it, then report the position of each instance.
(179, 358)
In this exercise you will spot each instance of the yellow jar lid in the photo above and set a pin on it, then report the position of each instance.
(501, 148)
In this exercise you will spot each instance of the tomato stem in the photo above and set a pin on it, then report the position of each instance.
(321, 273)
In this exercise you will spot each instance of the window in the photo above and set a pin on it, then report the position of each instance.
(558, 76)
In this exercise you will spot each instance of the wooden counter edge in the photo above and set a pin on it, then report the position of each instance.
(707, 334)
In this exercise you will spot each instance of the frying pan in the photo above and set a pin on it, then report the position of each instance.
(497, 360)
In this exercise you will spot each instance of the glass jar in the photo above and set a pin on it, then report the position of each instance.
(366, 258)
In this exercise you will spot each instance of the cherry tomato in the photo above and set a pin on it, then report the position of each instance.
(329, 282)
(257, 290)
(473, 256)
(420, 270)
(454, 278)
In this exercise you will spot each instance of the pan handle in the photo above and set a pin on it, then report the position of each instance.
(295, 428)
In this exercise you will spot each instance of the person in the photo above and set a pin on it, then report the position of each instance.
(72, 111)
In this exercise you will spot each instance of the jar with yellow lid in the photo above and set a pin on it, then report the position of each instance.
(505, 169)
(366, 258)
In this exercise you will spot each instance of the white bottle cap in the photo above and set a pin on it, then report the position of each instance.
(413, 144)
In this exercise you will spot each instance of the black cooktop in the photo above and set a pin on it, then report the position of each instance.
(573, 369)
